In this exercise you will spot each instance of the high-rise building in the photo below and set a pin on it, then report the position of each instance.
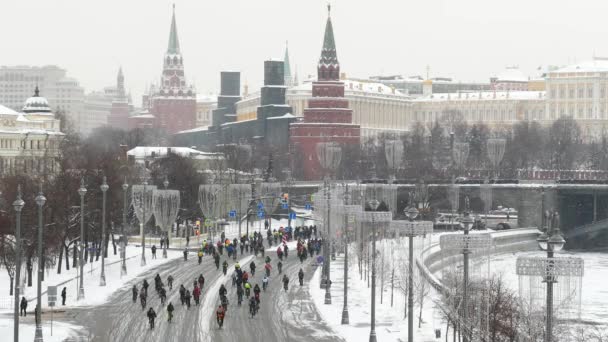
(63, 93)
(328, 117)
(173, 103)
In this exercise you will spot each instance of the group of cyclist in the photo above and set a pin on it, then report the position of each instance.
(241, 279)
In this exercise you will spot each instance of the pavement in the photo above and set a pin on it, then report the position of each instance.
(284, 315)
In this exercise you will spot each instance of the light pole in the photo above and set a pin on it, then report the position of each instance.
(328, 249)
(467, 221)
(349, 210)
(18, 206)
(104, 188)
(82, 191)
(143, 226)
(125, 187)
(169, 226)
(373, 204)
(411, 229)
(40, 201)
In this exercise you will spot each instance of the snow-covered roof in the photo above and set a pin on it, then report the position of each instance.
(142, 116)
(193, 130)
(356, 85)
(511, 74)
(483, 96)
(286, 116)
(146, 151)
(597, 64)
(7, 111)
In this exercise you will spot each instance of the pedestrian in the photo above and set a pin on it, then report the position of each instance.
(153, 251)
(185, 254)
(63, 295)
(170, 310)
(188, 297)
(151, 317)
(188, 240)
(23, 306)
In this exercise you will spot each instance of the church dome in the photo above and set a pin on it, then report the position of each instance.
(36, 104)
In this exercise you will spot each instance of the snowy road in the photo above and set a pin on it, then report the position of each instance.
(284, 316)
(122, 320)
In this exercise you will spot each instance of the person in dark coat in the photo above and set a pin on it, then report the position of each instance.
(63, 295)
(23, 306)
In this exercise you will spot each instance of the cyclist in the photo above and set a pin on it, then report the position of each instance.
(163, 295)
(216, 258)
(220, 314)
(247, 289)
(135, 293)
(256, 292)
(142, 298)
(151, 317)
(252, 268)
(223, 291)
(170, 309)
(285, 282)
(239, 294)
(253, 307)
(225, 303)
(301, 277)
(280, 266)
(268, 268)
(200, 256)
(225, 267)
(264, 283)
(170, 282)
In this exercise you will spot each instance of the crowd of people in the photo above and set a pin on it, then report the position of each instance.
(307, 245)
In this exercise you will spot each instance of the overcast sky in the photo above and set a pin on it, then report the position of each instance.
(464, 39)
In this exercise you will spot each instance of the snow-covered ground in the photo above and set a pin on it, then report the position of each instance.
(94, 294)
(390, 322)
(595, 293)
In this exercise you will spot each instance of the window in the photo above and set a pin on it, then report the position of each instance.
(590, 92)
(581, 92)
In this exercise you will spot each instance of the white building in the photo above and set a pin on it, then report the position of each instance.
(29, 140)
(65, 94)
(145, 155)
(205, 104)
(579, 91)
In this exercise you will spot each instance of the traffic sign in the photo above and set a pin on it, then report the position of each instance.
(208, 223)
(260, 205)
(232, 213)
(307, 206)
(292, 216)
(285, 206)
(261, 214)
(51, 293)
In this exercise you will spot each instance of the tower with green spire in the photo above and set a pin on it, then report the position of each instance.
(173, 103)
(327, 117)
(287, 68)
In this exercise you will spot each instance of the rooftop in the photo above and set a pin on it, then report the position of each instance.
(512, 74)
(597, 64)
(483, 96)
(147, 151)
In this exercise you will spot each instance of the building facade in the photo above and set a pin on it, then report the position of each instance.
(205, 104)
(120, 108)
(29, 139)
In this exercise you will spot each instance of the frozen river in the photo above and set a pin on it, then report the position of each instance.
(594, 297)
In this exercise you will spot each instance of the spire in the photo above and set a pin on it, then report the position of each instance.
(36, 92)
(173, 40)
(120, 86)
(329, 67)
(287, 67)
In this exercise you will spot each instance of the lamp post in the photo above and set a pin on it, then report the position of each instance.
(40, 201)
(411, 229)
(143, 226)
(551, 241)
(18, 206)
(125, 187)
(373, 204)
(328, 249)
(82, 191)
(349, 210)
(104, 188)
(169, 225)
(467, 221)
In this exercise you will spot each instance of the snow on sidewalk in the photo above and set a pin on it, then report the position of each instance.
(390, 324)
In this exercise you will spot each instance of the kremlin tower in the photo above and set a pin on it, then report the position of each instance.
(327, 118)
(119, 114)
(173, 103)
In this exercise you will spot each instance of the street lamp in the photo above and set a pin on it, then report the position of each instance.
(82, 191)
(349, 210)
(550, 268)
(104, 188)
(374, 217)
(143, 225)
(40, 201)
(465, 243)
(125, 187)
(411, 229)
(18, 206)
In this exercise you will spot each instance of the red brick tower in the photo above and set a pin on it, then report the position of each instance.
(327, 118)
(119, 114)
(174, 104)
